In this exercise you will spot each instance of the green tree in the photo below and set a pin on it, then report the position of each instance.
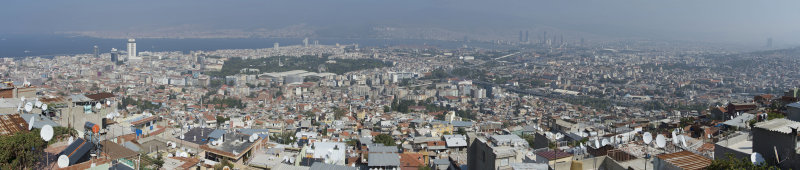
(461, 131)
(732, 163)
(21, 150)
(385, 139)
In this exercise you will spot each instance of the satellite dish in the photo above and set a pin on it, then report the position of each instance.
(46, 133)
(683, 141)
(226, 168)
(28, 107)
(184, 154)
(70, 140)
(661, 141)
(44, 106)
(605, 142)
(674, 138)
(596, 143)
(30, 123)
(756, 158)
(647, 137)
(22, 98)
(108, 103)
(98, 106)
(253, 137)
(63, 161)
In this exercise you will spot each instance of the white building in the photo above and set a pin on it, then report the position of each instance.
(132, 50)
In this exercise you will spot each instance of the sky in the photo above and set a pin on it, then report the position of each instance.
(731, 21)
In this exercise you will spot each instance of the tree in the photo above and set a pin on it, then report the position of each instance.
(461, 131)
(338, 113)
(733, 163)
(223, 164)
(221, 120)
(385, 139)
(21, 150)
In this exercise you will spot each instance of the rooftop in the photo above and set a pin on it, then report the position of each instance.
(686, 160)
(778, 125)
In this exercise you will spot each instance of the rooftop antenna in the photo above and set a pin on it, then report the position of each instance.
(756, 158)
(683, 141)
(63, 161)
(253, 137)
(661, 141)
(28, 107)
(47, 135)
(30, 123)
(647, 137)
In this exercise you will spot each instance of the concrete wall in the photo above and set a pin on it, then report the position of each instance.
(721, 151)
(793, 113)
(765, 142)
(480, 155)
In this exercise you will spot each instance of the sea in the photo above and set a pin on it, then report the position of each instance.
(49, 45)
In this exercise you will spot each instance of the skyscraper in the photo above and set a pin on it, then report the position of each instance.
(96, 51)
(520, 36)
(526, 37)
(114, 55)
(132, 49)
(275, 46)
(769, 42)
(305, 42)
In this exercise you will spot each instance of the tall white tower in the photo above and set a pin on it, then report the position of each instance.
(305, 42)
(132, 49)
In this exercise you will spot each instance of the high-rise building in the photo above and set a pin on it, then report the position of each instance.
(520, 36)
(114, 55)
(316, 42)
(526, 37)
(305, 42)
(132, 49)
(275, 46)
(96, 51)
(769, 42)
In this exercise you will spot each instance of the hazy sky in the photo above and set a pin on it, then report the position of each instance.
(735, 21)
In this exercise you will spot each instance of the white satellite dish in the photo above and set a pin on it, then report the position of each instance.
(184, 154)
(46, 133)
(44, 106)
(98, 106)
(22, 98)
(182, 137)
(647, 137)
(38, 104)
(605, 142)
(756, 158)
(108, 103)
(253, 137)
(28, 107)
(63, 161)
(30, 123)
(683, 141)
(71, 139)
(661, 141)
(674, 138)
(597, 143)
